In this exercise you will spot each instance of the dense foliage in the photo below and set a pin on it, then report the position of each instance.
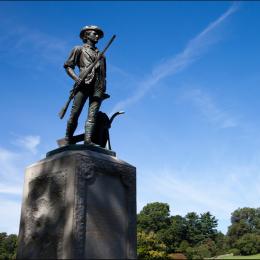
(194, 236)
(244, 232)
(8, 245)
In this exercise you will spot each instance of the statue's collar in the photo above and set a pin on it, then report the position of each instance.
(89, 47)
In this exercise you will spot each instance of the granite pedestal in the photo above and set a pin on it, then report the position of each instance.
(79, 203)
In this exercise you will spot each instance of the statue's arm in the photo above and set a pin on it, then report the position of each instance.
(71, 73)
(72, 61)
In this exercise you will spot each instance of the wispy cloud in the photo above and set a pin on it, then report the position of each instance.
(194, 50)
(210, 109)
(8, 162)
(13, 164)
(122, 73)
(219, 191)
(37, 46)
(29, 142)
(195, 195)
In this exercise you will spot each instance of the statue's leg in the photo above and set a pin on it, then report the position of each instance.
(94, 105)
(78, 103)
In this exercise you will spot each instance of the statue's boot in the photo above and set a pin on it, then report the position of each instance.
(69, 133)
(89, 129)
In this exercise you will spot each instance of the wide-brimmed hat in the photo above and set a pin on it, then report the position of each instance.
(91, 27)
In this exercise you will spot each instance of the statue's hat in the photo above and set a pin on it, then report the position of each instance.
(91, 27)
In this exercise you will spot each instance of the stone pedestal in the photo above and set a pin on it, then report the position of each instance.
(79, 204)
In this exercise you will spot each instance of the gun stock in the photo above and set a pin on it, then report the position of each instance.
(64, 109)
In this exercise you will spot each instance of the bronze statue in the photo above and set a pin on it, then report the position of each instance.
(91, 82)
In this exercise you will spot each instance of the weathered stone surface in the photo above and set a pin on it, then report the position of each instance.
(78, 204)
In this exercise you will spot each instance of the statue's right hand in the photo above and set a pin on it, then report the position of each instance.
(78, 81)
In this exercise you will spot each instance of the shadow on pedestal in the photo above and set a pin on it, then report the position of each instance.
(79, 202)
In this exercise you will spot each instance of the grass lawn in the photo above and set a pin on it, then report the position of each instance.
(239, 257)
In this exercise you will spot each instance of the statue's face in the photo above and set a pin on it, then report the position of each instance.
(92, 36)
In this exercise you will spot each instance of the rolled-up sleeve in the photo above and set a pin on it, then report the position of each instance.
(73, 58)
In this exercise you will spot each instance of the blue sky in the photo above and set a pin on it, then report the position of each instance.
(186, 74)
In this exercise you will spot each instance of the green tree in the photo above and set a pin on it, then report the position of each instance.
(149, 246)
(211, 246)
(8, 246)
(248, 244)
(208, 224)
(183, 246)
(193, 228)
(174, 234)
(221, 243)
(243, 221)
(194, 235)
(154, 217)
(202, 250)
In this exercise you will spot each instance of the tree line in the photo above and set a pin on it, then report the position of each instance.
(195, 236)
(8, 246)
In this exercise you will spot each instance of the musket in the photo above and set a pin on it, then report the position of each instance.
(82, 77)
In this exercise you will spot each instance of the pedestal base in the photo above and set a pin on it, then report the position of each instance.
(78, 204)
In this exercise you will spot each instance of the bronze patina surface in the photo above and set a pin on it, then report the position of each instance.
(89, 84)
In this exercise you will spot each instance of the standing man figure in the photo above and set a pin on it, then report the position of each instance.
(94, 85)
